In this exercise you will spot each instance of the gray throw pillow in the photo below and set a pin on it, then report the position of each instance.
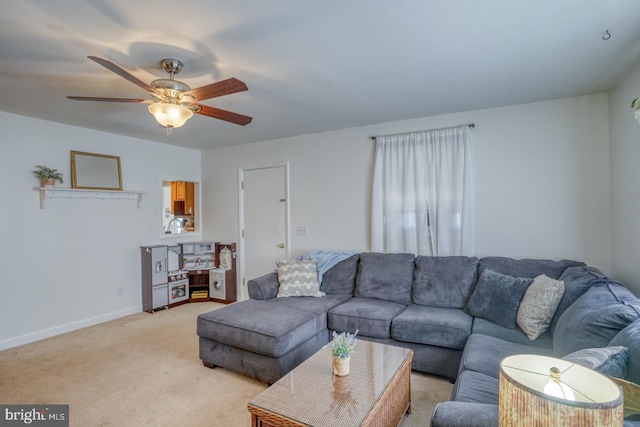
(595, 318)
(610, 361)
(539, 304)
(298, 279)
(497, 297)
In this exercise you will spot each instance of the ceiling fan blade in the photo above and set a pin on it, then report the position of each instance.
(92, 98)
(121, 72)
(228, 116)
(225, 87)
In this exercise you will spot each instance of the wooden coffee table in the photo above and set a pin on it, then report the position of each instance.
(377, 391)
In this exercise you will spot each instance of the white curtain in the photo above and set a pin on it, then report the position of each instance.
(421, 193)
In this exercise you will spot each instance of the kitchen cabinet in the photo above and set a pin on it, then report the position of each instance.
(182, 198)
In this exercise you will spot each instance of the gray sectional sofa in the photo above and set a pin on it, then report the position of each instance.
(458, 315)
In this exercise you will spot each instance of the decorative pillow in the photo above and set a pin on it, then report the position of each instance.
(298, 279)
(497, 297)
(595, 318)
(539, 304)
(611, 361)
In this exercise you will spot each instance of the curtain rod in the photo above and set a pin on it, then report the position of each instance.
(471, 125)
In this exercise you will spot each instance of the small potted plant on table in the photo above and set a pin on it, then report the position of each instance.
(342, 346)
(48, 176)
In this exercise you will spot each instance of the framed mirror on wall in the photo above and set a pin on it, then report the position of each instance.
(180, 207)
(92, 171)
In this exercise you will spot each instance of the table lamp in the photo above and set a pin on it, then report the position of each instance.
(545, 391)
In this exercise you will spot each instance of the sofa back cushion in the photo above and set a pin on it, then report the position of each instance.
(527, 267)
(385, 277)
(341, 278)
(577, 281)
(629, 337)
(444, 281)
(595, 318)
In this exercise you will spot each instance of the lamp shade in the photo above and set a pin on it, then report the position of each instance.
(590, 398)
(170, 115)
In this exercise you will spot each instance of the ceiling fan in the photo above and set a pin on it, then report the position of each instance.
(174, 102)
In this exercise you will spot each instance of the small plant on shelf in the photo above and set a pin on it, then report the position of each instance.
(46, 173)
(343, 344)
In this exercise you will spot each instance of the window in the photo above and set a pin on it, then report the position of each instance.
(421, 193)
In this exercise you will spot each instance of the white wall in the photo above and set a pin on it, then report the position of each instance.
(625, 180)
(62, 266)
(541, 181)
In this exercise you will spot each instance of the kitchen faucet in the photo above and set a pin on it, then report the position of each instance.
(178, 220)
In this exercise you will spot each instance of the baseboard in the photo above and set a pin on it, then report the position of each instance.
(68, 327)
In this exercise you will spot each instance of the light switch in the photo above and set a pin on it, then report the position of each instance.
(302, 230)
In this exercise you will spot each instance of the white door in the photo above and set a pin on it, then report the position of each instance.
(264, 221)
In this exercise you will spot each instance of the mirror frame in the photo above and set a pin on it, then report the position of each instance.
(105, 181)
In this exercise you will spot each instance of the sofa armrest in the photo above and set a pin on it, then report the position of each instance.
(263, 287)
(464, 414)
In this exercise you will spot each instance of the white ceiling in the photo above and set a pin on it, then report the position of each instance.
(311, 66)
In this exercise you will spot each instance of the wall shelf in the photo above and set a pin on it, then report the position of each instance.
(75, 193)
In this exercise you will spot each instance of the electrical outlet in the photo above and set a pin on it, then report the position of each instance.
(302, 230)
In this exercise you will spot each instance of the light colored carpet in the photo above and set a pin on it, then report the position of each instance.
(144, 370)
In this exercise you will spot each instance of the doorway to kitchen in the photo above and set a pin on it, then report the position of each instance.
(264, 220)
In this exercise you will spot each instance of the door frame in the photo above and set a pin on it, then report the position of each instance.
(242, 280)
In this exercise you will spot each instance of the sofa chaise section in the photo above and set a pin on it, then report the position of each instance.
(265, 339)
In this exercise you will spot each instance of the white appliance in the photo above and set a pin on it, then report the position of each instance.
(217, 285)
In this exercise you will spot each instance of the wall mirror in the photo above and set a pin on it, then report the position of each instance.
(180, 206)
(95, 171)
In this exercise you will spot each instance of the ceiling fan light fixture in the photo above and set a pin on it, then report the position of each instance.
(170, 115)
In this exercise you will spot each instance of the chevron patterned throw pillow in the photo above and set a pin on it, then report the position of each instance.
(298, 279)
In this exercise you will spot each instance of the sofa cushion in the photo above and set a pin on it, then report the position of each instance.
(298, 279)
(539, 304)
(371, 317)
(341, 278)
(475, 387)
(611, 361)
(527, 267)
(516, 335)
(497, 297)
(283, 324)
(484, 353)
(444, 327)
(444, 281)
(630, 337)
(385, 277)
(595, 318)
(577, 281)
